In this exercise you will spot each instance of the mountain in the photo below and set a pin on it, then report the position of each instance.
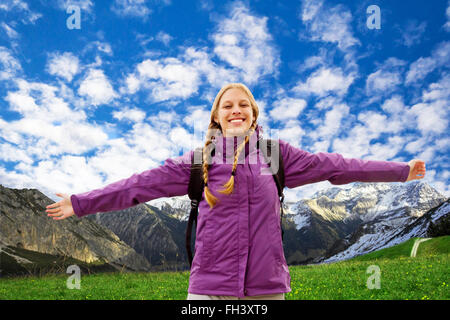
(158, 235)
(386, 232)
(26, 231)
(334, 224)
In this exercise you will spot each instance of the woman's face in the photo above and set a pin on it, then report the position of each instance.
(235, 113)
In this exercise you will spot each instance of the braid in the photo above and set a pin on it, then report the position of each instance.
(229, 186)
(209, 197)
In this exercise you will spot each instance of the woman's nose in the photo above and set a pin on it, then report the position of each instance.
(236, 110)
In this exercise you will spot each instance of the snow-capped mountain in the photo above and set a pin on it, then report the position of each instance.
(394, 227)
(177, 207)
(367, 201)
(339, 223)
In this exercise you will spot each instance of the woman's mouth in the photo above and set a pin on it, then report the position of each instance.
(236, 121)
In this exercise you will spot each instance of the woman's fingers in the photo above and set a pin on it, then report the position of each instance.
(54, 205)
(61, 209)
(60, 217)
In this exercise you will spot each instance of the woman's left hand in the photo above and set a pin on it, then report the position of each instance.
(416, 170)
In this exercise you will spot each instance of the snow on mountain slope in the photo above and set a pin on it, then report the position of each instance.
(394, 227)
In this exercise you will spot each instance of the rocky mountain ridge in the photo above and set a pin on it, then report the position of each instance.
(25, 225)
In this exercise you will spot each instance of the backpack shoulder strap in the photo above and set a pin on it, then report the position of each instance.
(275, 161)
(195, 191)
(195, 188)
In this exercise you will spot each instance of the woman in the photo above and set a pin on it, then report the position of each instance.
(239, 251)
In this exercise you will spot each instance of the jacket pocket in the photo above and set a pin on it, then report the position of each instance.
(207, 254)
(276, 242)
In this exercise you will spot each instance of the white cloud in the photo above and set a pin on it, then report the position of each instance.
(64, 65)
(447, 13)
(119, 159)
(84, 5)
(216, 75)
(331, 122)
(163, 121)
(431, 117)
(164, 79)
(382, 81)
(326, 81)
(68, 174)
(10, 66)
(198, 117)
(291, 133)
(420, 68)
(432, 113)
(416, 144)
(97, 88)
(9, 152)
(386, 78)
(142, 135)
(328, 24)
(412, 33)
(319, 60)
(10, 32)
(310, 9)
(98, 46)
(164, 37)
(247, 51)
(287, 108)
(394, 105)
(356, 144)
(28, 16)
(244, 42)
(439, 90)
(129, 114)
(47, 120)
(136, 8)
(387, 150)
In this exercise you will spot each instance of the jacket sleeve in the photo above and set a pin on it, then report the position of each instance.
(170, 179)
(302, 168)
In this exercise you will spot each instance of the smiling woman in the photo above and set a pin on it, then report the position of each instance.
(238, 249)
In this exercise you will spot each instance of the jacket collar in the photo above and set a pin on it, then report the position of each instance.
(227, 146)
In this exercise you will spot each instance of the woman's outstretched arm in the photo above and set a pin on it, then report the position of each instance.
(302, 168)
(170, 179)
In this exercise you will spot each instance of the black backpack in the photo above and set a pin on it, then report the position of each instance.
(196, 185)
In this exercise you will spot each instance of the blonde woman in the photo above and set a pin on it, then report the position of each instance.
(238, 250)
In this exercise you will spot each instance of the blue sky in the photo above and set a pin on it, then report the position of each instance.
(133, 83)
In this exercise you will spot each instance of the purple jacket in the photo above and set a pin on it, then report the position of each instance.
(238, 249)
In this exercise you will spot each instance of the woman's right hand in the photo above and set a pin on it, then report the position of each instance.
(61, 209)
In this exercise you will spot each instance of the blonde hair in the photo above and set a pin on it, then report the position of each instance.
(213, 127)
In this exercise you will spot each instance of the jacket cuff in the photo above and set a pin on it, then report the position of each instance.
(76, 206)
(404, 173)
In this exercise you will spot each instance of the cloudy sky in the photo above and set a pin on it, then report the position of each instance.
(94, 91)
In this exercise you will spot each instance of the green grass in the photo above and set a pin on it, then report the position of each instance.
(439, 245)
(401, 277)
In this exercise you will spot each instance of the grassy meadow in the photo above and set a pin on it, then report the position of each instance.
(425, 276)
